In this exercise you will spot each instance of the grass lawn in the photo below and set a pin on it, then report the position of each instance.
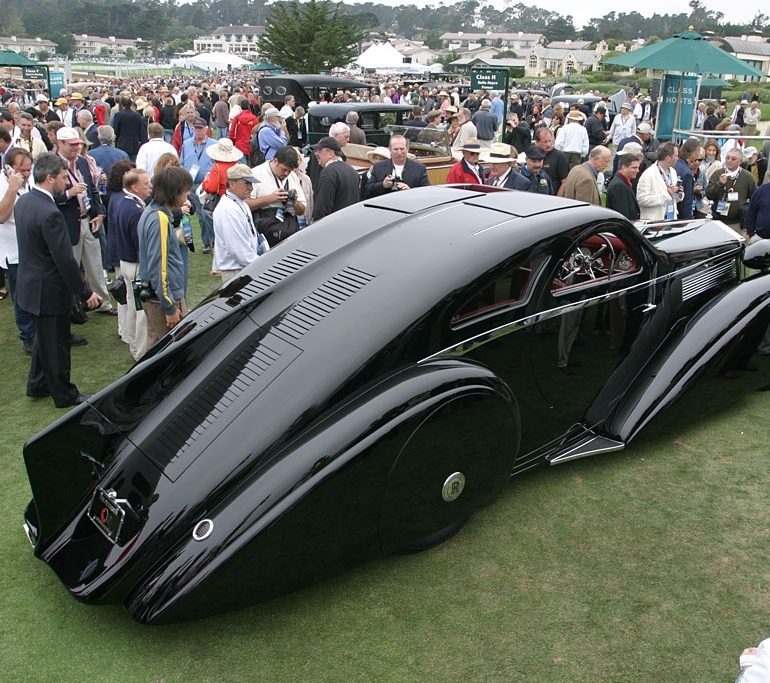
(646, 565)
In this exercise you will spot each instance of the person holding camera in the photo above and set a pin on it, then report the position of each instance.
(277, 198)
(238, 242)
(161, 266)
(397, 173)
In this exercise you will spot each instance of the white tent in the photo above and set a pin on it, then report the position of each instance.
(212, 61)
(385, 57)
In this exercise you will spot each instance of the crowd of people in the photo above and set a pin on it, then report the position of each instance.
(123, 168)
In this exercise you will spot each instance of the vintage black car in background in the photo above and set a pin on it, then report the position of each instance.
(371, 383)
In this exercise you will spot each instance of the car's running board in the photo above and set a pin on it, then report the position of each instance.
(592, 444)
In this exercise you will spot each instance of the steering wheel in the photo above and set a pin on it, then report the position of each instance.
(587, 260)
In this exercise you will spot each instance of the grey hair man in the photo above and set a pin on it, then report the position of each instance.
(357, 136)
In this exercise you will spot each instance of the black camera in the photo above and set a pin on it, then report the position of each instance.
(291, 195)
(143, 290)
(396, 180)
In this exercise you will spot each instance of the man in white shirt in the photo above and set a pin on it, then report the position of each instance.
(467, 129)
(235, 235)
(152, 150)
(657, 191)
(278, 197)
(572, 139)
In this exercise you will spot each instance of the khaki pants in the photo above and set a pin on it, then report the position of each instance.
(132, 324)
(88, 251)
(156, 320)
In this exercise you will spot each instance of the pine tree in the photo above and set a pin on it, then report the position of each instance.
(310, 37)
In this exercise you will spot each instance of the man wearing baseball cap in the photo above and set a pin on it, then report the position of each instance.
(338, 182)
(235, 234)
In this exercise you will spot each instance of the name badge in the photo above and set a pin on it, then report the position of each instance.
(732, 196)
(194, 171)
(723, 208)
(670, 215)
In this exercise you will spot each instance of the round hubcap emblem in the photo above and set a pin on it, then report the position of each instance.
(453, 487)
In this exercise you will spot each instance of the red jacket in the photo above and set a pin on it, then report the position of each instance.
(460, 173)
(241, 129)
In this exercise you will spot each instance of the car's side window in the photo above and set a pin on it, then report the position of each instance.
(509, 288)
(602, 255)
(367, 120)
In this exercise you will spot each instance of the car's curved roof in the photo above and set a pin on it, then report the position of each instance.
(411, 249)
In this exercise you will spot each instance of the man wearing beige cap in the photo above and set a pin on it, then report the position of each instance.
(238, 242)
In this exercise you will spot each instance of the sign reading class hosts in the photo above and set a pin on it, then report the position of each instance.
(676, 88)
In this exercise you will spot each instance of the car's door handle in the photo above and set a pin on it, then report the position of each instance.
(646, 308)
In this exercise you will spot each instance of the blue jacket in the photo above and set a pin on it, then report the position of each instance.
(758, 215)
(160, 257)
(106, 156)
(124, 214)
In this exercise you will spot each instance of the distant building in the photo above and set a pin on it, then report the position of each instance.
(753, 49)
(28, 47)
(242, 40)
(517, 42)
(465, 65)
(98, 46)
(549, 61)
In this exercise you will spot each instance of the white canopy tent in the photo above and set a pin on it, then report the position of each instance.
(385, 57)
(212, 61)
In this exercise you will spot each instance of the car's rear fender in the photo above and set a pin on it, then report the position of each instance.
(316, 509)
(722, 334)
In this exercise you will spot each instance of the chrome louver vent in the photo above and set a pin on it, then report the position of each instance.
(699, 282)
(307, 312)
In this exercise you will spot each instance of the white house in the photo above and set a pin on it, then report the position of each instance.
(240, 40)
(517, 42)
(98, 46)
(28, 47)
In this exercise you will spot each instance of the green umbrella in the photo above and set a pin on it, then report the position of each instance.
(688, 51)
(11, 58)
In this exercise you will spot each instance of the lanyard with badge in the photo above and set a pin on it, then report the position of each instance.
(670, 206)
(279, 212)
(729, 195)
(196, 167)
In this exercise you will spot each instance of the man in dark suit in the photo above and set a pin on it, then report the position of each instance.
(620, 194)
(396, 173)
(48, 278)
(130, 128)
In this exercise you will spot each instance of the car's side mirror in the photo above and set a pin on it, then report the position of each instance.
(757, 255)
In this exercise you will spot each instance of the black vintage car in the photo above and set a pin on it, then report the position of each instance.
(306, 88)
(372, 382)
(373, 118)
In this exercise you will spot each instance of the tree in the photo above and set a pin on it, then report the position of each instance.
(42, 56)
(310, 37)
(104, 52)
(130, 53)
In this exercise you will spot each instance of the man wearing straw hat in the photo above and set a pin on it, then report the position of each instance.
(501, 173)
(572, 139)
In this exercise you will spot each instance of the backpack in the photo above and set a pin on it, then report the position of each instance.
(256, 155)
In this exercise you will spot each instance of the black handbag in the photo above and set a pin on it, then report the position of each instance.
(117, 288)
(210, 201)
